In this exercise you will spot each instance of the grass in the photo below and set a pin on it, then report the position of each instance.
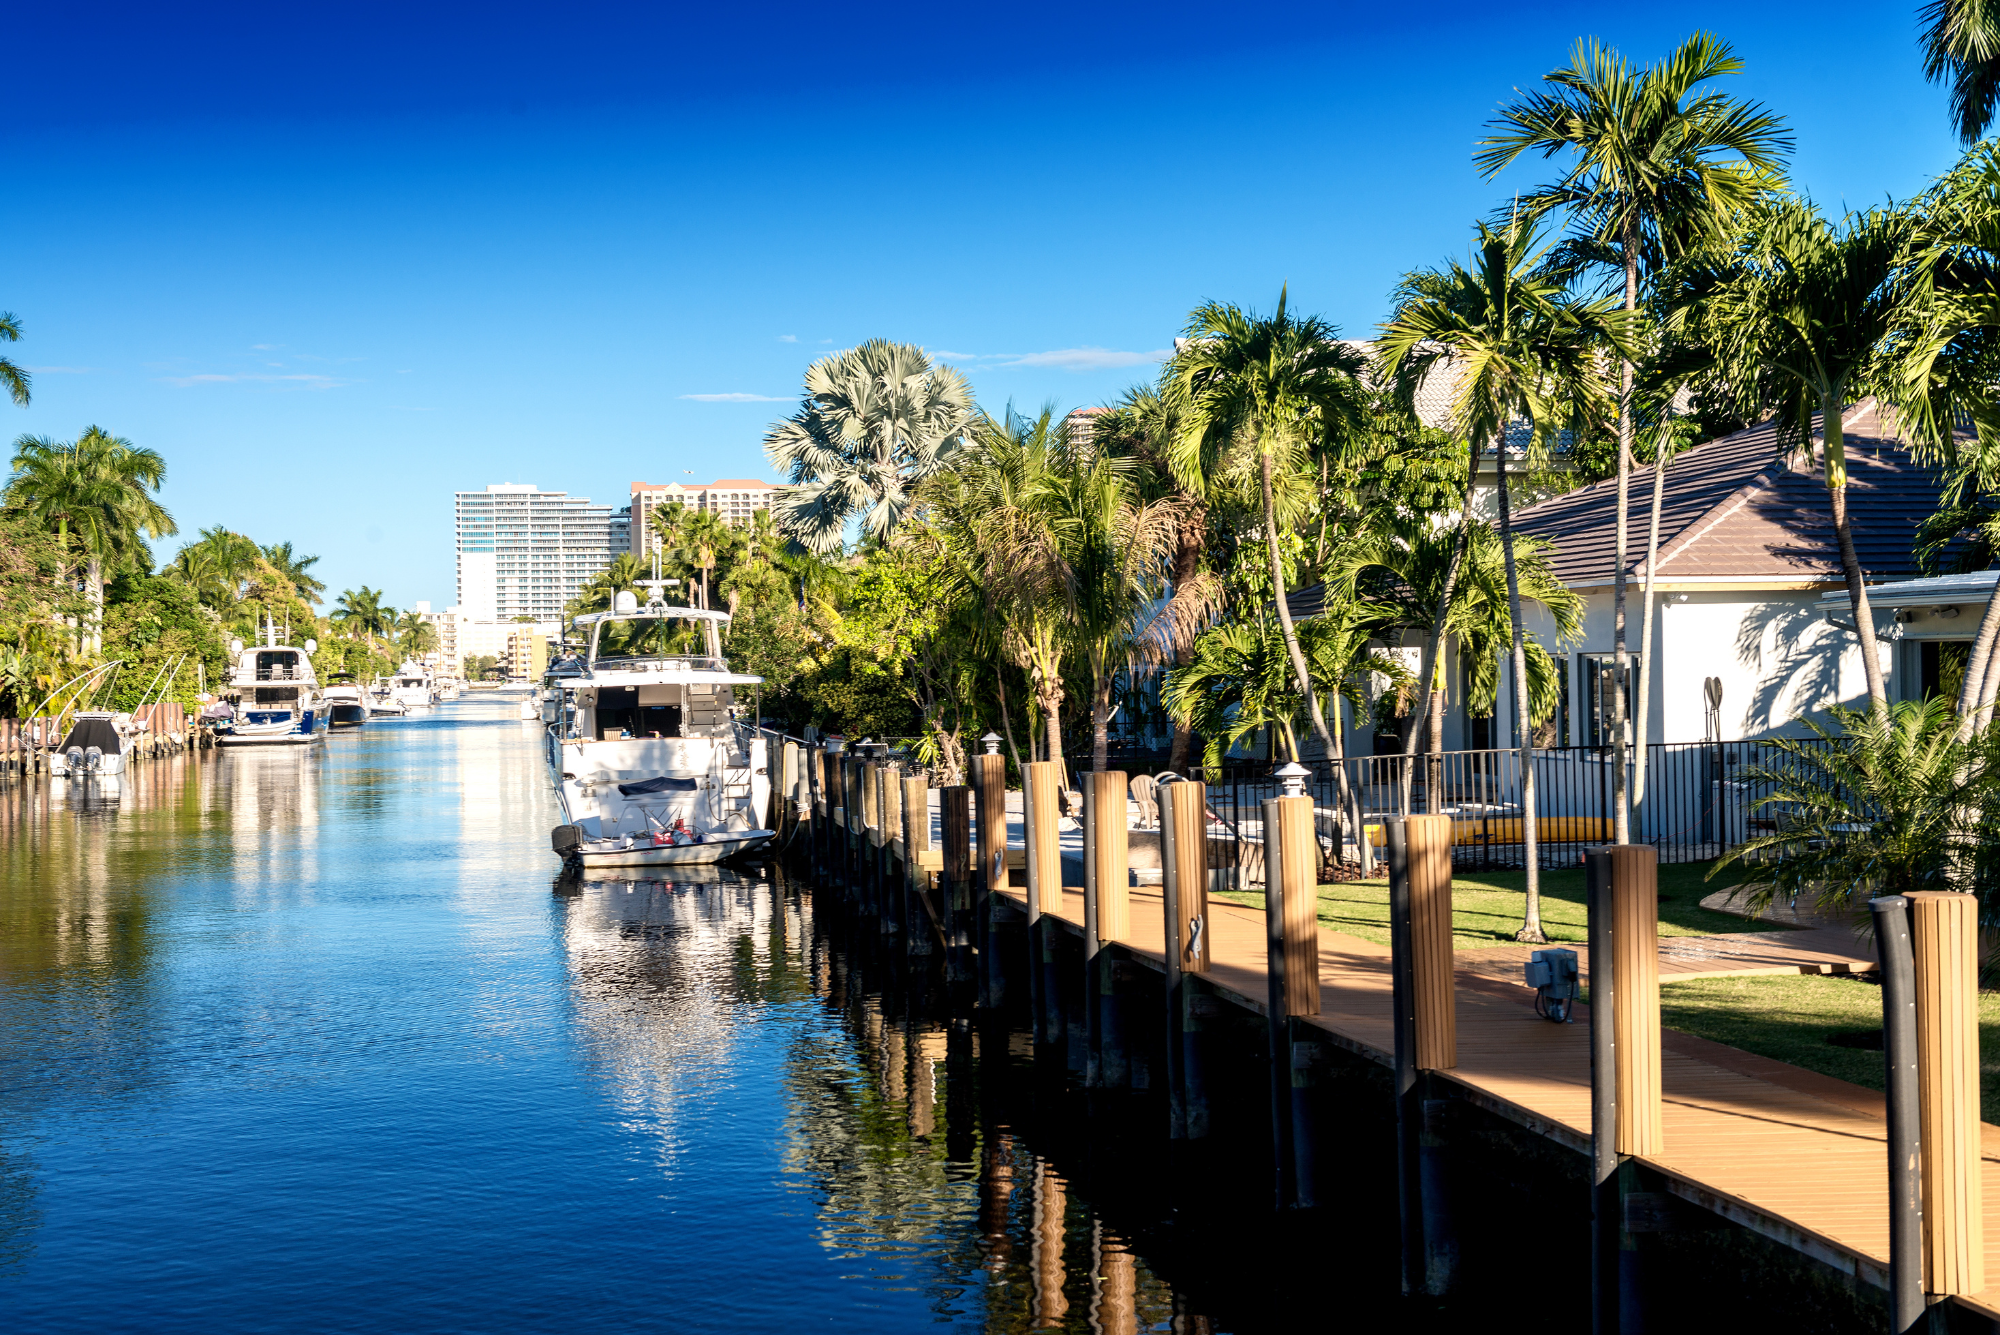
(1487, 907)
(1789, 1017)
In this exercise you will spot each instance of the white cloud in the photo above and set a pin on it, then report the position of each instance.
(296, 381)
(1087, 359)
(950, 356)
(265, 347)
(732, 398)
(788, 338)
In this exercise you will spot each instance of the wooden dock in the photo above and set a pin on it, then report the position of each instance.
(1793, 1155)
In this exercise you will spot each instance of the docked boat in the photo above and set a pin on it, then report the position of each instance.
(411, 686)
(647, 759)
(347, 703)
(95, 745)
(276, 696)
(382, 699)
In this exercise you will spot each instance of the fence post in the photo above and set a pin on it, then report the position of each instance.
(1945, 936)
(955, 807)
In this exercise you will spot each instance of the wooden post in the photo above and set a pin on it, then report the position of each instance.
(1945, 937)
(1040, 783)
(1426, 1036)
(1107, 914)
(1897, 967)
(955, 806)
(915, 805)
(1291, 938)
(1606, 1223)
(1635, 937)
(1050, 1231)
(869, 830)
(989, 774)
(1190, 1001)
(888, 824)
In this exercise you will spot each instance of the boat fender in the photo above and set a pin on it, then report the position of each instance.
(565, 838)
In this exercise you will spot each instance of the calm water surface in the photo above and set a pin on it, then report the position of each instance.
(304, 1040)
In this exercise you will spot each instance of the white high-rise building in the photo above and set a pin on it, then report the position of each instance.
(525, 552)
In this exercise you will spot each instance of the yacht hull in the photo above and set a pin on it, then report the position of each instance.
(643, 853)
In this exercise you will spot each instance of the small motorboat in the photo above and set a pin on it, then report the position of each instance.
(383, 701)
(93, 747)
(347, 702)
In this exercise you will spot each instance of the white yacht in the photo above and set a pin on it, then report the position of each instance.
(382, 699)
(277, 697)
(650, 765)
(347, 701)
(411, 686)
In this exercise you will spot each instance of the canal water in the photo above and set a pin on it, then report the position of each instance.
(318, 1040)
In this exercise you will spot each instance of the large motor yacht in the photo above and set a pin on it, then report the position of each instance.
(277, 697)
(411, 686)
(646, 756)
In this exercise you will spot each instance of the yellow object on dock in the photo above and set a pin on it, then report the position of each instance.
(1508, 829)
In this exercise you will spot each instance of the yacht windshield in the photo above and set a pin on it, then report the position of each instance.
(646, 637)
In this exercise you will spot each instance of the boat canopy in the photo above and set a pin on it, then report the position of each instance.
(87, 732)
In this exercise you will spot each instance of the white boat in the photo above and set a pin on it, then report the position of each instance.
(448, 688)
(411, 685)
(646, 758)
(382, 700)
(95, 745)
(277, 697)
(347, 702)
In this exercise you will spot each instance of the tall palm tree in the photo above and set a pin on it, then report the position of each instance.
(623, 573)
(1526, 349)
(98, 490)
(14, 378)
(1277, 385)
(216, 566)
(297, 569)
(1660, 165)
(706, 540)
(414, 635)
(876, 421)
(363, 610)
(1795, 316)
(1962, 48)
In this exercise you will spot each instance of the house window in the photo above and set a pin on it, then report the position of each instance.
(1599, 671)
(1553, 731)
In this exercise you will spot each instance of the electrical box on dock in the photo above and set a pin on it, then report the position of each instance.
(1553, 974)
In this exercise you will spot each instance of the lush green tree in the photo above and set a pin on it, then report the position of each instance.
(216, 566)
(297, 569)
(362, 612)
(1961, 44)
(706, 541)
(169, 642)
(1277, 387)
(622, 575)
(876, 420)
(1661, 165)
(12, 377)
(1798, 315)
(1524, 349)
(414, 635)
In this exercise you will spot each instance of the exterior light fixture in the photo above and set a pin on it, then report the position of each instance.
(1292, 777)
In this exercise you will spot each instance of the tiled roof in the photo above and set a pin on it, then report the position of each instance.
(1734, 508)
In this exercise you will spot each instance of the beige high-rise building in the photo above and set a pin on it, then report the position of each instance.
(734, 498)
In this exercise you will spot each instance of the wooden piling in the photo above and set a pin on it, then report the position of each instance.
(1635, 938)
(1191, 1004)
(1432, 965)
(955, 883)
(989, 777)
(888, 825)
(1291, 924)
(1050, 1233)
(1426, 1039)
(1040, 783)
(914, 805)
(1945, 940)
(1107, 916)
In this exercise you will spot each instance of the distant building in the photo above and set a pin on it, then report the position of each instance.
(527, 655)
(525, 552)
(1081, 422)
(734, 498)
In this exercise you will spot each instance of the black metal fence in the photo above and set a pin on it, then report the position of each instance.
(1696, 802)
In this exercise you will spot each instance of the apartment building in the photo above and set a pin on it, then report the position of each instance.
(523, 551)
(735, 499)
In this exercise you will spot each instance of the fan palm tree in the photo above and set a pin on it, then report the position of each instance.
(876, 420)
(363, 610)
(1661, 165)
(1524, 348)
(297, 569)
(1962, 48)
(98, 490)
(1796, 316)
(14, 378)
(1278, 386)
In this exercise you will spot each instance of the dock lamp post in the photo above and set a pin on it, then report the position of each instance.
(1291, 777)
(991, 741)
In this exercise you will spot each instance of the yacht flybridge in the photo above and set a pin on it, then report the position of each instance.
(650, 765)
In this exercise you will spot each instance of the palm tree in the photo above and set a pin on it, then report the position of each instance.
(706, 540)
(1525, 349)
(1962, 48)
(13, 377)
(1275, 385)
(1660, 166)
(216, 566)
(363, 610)
(1795, 317)
(876, 420)
(98, 489)
(297, 569)
(622, 574)
(414, 635)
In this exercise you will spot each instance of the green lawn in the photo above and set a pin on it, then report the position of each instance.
(1790, 1016)
(1487, 907)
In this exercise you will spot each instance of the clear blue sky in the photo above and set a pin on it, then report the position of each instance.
(338, 262)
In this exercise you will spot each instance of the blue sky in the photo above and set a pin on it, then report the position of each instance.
(339, 262)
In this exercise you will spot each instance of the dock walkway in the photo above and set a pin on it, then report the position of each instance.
(1788, 1153)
